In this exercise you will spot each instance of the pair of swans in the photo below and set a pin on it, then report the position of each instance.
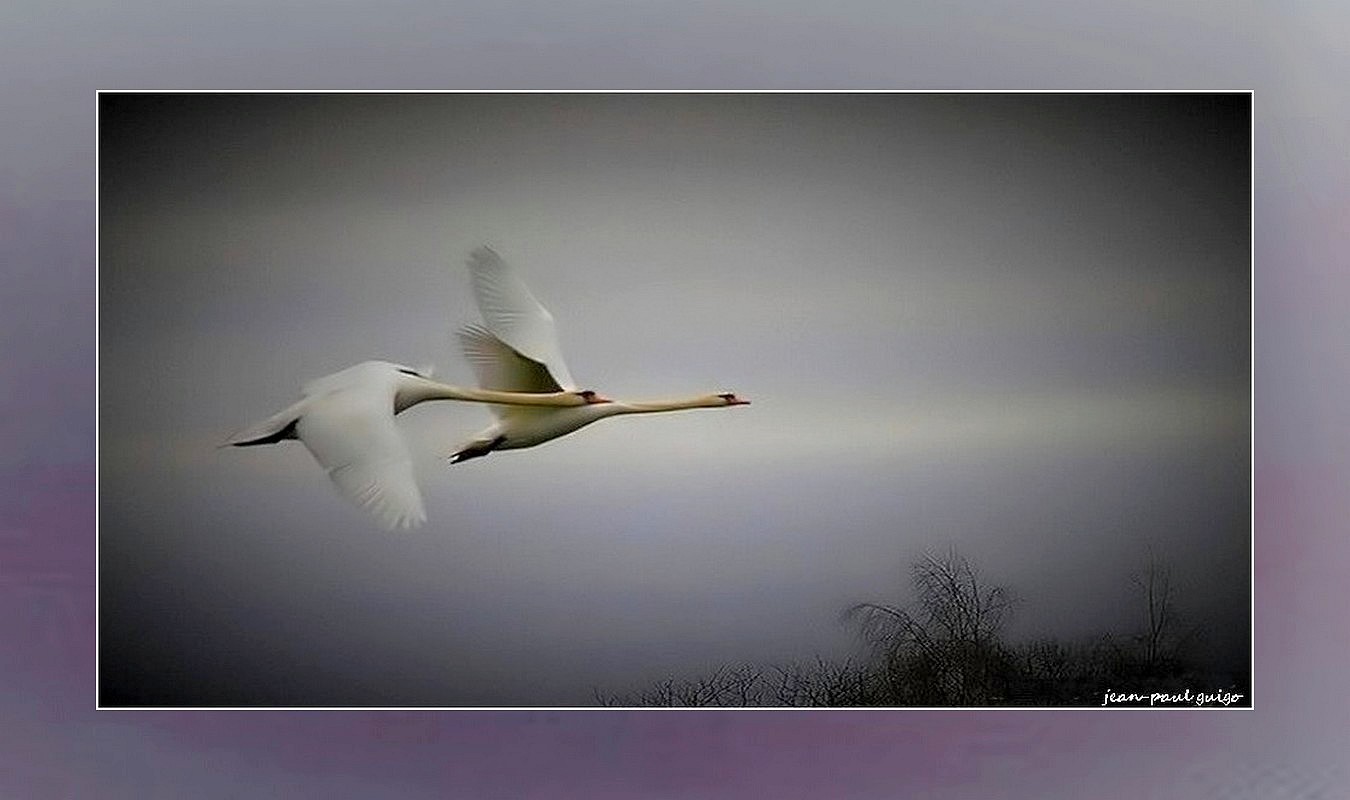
(346, 419)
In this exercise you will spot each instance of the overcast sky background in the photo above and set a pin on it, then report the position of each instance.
(1013, 324)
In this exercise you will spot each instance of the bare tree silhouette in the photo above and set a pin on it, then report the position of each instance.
(946, 650)
(1164, 633)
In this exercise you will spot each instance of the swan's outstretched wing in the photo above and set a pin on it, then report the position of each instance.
(515, 317)
(352, 435)
(500, 367)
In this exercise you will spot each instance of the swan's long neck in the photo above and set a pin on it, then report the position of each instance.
(616, 408)
(412, 391)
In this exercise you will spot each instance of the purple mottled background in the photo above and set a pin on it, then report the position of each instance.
(54, 744)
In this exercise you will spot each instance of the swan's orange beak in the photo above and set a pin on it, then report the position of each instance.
(592, 398)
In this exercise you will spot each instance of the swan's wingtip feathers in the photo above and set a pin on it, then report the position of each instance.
(473, 331)
(400, 522)
(483, 255)
(390, 513)
(391, 499)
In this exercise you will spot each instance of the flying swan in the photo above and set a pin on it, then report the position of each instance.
(516, 350)
(347, 421)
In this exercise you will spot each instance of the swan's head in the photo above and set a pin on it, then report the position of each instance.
(592, 397)
(730, 399)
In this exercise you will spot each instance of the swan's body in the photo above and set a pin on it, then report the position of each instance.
(517, 350)
(347, 421)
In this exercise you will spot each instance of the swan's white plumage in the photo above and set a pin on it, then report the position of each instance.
(513, 315)
(346, 420)
(500, 367)
(349, 428)
(518, 351)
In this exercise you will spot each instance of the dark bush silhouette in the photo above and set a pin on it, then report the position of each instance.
(948, 649)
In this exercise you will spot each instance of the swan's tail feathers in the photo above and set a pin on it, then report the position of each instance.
(476, 449)
(276, 428)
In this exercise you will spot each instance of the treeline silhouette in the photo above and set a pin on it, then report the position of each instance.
(948, 649)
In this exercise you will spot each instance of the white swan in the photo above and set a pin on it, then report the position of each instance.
(347, 421)
(517, 351)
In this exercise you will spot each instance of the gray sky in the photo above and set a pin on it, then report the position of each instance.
(1014, 324)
